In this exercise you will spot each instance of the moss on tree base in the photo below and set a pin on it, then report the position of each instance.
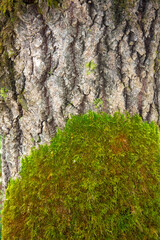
(98, 179)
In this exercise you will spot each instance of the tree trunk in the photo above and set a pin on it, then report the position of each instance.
(57, 62)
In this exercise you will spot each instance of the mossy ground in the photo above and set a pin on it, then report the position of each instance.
(98, 179)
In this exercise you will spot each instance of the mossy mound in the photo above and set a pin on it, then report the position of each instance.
(98, 179)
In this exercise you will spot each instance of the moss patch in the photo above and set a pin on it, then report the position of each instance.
(98, 179)
(10, 7)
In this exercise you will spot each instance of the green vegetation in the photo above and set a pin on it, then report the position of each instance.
(98, 104)
(10, 5)
(90, 66)
(0, 159)
(3, 93)
(0, 191)
(52, 3)
(98, 179)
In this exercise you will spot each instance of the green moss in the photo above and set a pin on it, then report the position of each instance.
(90, 67)
(98, 179)
(3, 93)
(10, 6)
(98, 104)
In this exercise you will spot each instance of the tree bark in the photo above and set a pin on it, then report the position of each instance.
(57, 62)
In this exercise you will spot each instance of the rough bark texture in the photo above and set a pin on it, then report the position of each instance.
(58, 61)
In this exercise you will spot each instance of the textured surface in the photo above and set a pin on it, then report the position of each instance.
(48, 75)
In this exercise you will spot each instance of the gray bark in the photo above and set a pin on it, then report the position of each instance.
(49, 78)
